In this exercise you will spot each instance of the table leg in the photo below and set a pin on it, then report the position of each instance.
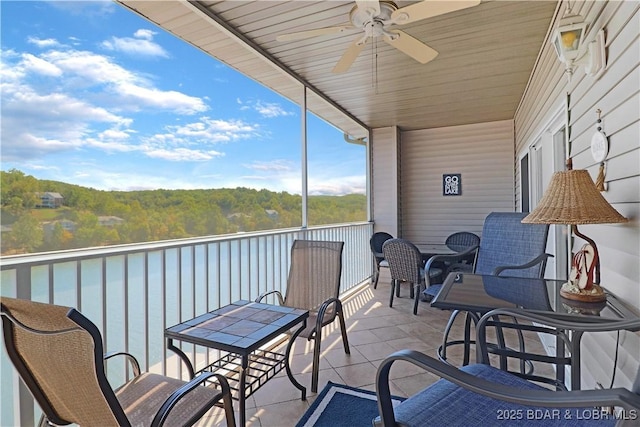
(560, 355)
(575, 359)
(287, 354)
(242, 390)
(182, 356)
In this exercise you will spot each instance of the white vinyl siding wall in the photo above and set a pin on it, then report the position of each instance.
(617, 94)
(483, 153)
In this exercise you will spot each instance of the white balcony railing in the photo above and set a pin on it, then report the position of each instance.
(133, 292)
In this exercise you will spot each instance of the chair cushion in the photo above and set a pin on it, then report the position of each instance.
(446, 404)
(142, 397)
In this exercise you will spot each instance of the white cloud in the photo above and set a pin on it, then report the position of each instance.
(92, 68)
(40, 66)
(182, 154)
(141, 44)
(209, 130)
(168, 100)
(265, 109)
(126, 89)
(338, 186)
(96, 176)
(50, 104)
(279, 165)
(35, 124)
(43, 43)
(144, 34)
(270, 109)
(114, 134)
(87, 9)
(190, 142)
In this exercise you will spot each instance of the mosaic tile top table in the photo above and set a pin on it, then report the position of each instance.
(242, 329)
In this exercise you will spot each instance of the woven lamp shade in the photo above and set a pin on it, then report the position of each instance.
(572, 198)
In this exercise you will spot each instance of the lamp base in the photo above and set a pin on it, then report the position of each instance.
(579, 307)
(573, 292)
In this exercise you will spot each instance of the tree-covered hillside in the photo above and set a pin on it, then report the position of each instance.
(92, 217)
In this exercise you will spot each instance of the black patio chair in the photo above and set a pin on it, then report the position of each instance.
(376, 242)
(462, 241)
(58, 354)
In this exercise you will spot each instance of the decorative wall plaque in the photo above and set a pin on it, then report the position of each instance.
(452, 184)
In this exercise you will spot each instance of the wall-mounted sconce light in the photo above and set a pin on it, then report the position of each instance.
(572, 48)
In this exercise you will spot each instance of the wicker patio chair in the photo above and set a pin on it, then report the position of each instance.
(314, 284)
(58, 354)
(480, 394)
(376, 242)
(406, 266)
(508, 247)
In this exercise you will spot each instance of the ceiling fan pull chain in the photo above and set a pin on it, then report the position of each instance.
(376, 59)
(373, 48)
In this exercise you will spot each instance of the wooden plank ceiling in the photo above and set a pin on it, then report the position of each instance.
(486, 55)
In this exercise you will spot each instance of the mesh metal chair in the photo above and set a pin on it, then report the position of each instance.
(405, 265)
(376, 242)
(508, 247)
(314, 284)
(58, 354)
(480, 394)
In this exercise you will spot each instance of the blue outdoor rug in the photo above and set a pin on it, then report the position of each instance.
(340, 405)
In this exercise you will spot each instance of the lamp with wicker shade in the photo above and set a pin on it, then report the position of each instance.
(572, 198)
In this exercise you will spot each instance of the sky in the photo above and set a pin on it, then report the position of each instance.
(93, 95)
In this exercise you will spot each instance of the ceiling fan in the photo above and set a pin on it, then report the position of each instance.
(375, 18)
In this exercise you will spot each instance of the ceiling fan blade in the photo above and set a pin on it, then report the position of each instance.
(411, 46)
(427, 9)
(369, 5)
(301, 35)
(349, 56)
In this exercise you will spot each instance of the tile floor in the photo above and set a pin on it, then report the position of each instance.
(374, 331)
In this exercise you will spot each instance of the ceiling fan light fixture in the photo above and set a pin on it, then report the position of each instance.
(360, 17)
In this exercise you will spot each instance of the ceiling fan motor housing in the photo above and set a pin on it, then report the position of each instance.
(373, 25)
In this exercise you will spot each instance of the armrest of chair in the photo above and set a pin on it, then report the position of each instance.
(129, 357)
(545, 398)
(542, 258)
(323, 309)
(447, 258)
(172, 401)
(264, 295)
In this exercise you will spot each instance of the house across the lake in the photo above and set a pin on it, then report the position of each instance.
(110, 221)
(50, 200)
